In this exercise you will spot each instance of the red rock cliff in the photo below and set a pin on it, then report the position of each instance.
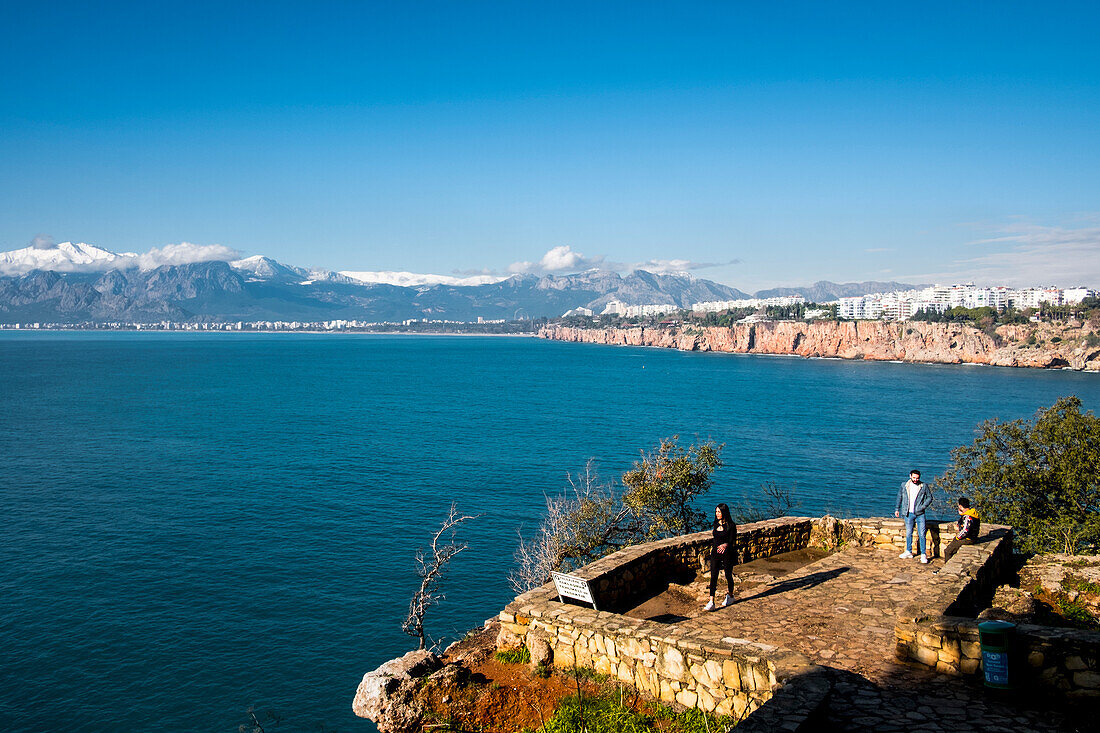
(1043, 345)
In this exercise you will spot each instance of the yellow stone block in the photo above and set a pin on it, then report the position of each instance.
(687, 698)
(731, 676)
(667, 693)
(927, 656)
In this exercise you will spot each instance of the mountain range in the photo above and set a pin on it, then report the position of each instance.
(75, 283)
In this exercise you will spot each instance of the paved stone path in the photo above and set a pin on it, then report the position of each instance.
(840, 612)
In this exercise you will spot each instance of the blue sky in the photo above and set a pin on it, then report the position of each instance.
(759, 144)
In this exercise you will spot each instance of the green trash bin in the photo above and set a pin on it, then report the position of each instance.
(996, 639)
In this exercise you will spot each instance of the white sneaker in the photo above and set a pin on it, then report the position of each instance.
(906, 555)
(710, 606)
(924, 559)
(728, 601)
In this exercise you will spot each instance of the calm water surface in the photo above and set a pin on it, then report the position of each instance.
(193, 524)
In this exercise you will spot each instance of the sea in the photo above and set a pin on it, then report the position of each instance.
(198, 524)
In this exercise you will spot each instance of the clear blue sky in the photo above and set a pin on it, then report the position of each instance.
(804, 140)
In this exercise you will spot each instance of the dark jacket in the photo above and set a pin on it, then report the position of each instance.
(969, 525)
(924, 500)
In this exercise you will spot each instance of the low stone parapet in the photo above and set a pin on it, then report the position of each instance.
(886, 532)
(1066, 660)
(694, 668)
(940, 630)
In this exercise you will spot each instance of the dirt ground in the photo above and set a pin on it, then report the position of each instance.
(681, 602)
(478, 691)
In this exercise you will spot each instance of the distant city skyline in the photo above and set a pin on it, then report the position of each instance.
(754, 146)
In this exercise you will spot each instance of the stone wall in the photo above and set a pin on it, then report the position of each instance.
(749, 677)
(940, 631)
(879, 532)
(696, 669)
(644, 570)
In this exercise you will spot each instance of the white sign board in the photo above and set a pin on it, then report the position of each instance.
(572, 586)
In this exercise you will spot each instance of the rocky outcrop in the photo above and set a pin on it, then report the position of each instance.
(388, 694)
(1041, 345)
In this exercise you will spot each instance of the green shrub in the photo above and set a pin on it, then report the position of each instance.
(1038, 476)
(1077, 614)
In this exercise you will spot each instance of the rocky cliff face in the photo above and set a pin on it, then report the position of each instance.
(1044, 345)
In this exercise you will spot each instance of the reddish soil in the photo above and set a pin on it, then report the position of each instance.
(482, 692)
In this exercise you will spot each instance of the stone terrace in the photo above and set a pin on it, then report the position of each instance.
(838, 617)
(840, 612)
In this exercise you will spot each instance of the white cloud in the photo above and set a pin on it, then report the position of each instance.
(182, 254)
(521, 267)
(42, 241)
(564, 258)
(1024, 253)
(665, 267)
(558, 259)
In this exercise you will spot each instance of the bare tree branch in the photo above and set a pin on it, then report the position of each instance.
(430, 565)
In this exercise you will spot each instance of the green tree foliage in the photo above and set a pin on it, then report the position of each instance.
(662, 487)
(1040, 476)
(591, 519)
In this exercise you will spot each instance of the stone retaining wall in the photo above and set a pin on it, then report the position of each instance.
(723, 675)
(880, 532)
(645, 570)
(940, 631)
(738, 677)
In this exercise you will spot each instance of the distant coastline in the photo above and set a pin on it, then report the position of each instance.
(1035, 345)
(282, 332)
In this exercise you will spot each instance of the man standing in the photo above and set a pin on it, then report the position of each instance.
(914, 497)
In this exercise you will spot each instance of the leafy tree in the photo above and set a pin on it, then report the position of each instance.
(591, 519)
(1040, 476)
(662, 487)
(582, 524)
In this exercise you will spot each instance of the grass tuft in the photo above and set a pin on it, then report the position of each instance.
(514, 656)
(608, 712)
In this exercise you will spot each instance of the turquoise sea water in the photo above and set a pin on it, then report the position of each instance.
(193, 524)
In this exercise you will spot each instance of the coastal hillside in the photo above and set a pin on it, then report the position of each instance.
(1043, 345)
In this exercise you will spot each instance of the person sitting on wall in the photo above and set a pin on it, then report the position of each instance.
(915, 497)
(722, 553)
(967, 528)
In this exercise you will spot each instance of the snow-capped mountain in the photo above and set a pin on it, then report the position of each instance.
(72, 283)
(63, 257)
(413, 279)
(265, 268)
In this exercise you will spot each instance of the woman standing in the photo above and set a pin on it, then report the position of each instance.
(722, 554)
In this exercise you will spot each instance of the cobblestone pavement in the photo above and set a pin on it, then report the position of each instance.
(840, 612)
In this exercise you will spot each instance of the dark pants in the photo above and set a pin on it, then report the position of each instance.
(723, 560)
(954, 546)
